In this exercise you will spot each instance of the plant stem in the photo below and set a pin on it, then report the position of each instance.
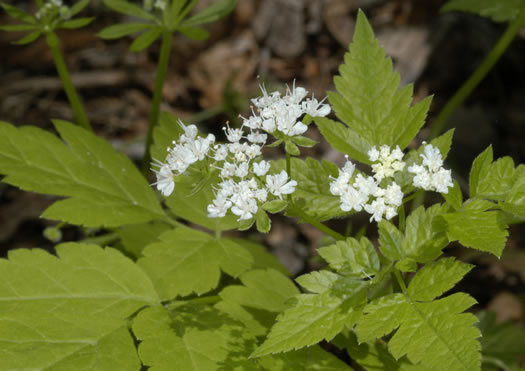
(317, 224)
(402, 218)
(466, 89)
(162, 69)
(400, 280)
(78, 109)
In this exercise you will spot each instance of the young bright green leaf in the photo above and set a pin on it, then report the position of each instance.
(19, 14)
(424, 238)
(390, 240)
(125, 7)
(318, 281)
(480, 170)
(436, 278)
(77, 7)
(291, 148)
(194, 33)
(501, 341)
(29, 38)
(315, 317)
(435, 334)
(186, 260)
(352, 257)
(136, 237)
(313, 186)
(498, 11)
(103, 186)
(211, 14)
(145, 39)
(454, 196)
(275, 206)
(262, 221)
(480, 230)
(76, 23)
(122, 29)
(515, 201)
(304, 141)
(68, 312)
(262, 289)
(192, 338)
(368, 98)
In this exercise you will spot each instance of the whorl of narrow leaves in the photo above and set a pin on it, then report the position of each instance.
(435, 333)
(368, 100)
(69, 312)
(103, 187)
(498, 11)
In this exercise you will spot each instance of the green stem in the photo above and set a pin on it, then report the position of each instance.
(400, 280)
(162, 69)
(317, 224)
(402, 218)
(78, 109)
(478, 75)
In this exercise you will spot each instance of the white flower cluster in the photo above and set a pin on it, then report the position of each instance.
(430, 175)
(242, 188)
(53, 10)
(282, 113)
(154, 4)
(187, 150)
(366, 192)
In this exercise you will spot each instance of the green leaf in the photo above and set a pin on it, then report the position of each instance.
(368, 98)
(315, 317)
(291, 148)
(502, 341)
(103, 186)
(262, 289)
(125, 7)
(192, 338)
(262, 259)
(18, 27)
(481, 230)
(312, 358)
(498, 11)
(18, 14)
(82, 296)
(515, 200)
(194, 33)
(318, 281)
(304, 141)
(313, 188)
(29, 38)
(275, 206)
(390, 240)
(493, 181)
(123, 29)
(262, 221)
(352, 257)
(186, 260)
(454, 196)
(145, 39)
(211, 14)
(136, 237)
(76, 23)
(344, 139)
(434, 333)
(436, 278)
(78, 7)
(480, 170)
(424, 238)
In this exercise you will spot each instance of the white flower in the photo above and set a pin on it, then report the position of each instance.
(315, 109)
(221, 152)
(393, 195)
(279, 184)
(261, 195)
(441, 180)
(253, 151)
(233, 135)
(269, 125)
(389, 162)
(432, 158)
(242, 170)
(352, 199)
(220, 206)
(431, 176)
(228, 170)
(261, 168)
(165, 183)
(257, 137)
(245, 207)
(377, 208)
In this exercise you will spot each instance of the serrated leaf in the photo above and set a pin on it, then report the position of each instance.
(515, 200)
(368, 98)
(76, 23)
(186, 260)
(122, 29)
(312, 358)
(436, 278)
(103, 186)
(262, 259)
(390, 240)
(481, 230)
(435, 334)
(136, 237)
(82, 297)
(498, 11)
(211, 14)
(424, 238)
(262, 289)
(318, 281)
(194, 33)
(192, 338)
(125, 7)
(454, 196)
(315, 317)
(145, 39)
(493, 181)
(480, 169)
(313, 186)
(352, 257)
